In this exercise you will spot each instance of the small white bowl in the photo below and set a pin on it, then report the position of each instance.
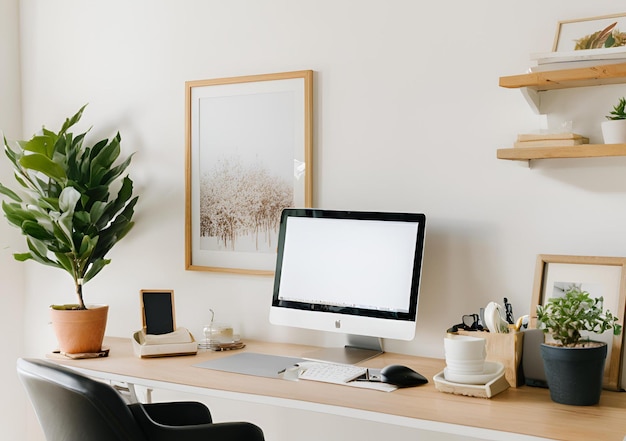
(491, 371)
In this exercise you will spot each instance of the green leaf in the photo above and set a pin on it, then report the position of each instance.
(41, 163)
(96, 212)
(36, 231)
(73, 120)
(22, 257)
(41, 144)
(65, 262)
(610, 41)
(95, 268)
(68, 199)
(10, 193)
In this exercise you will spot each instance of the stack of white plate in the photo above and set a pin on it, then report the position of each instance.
(491, 370)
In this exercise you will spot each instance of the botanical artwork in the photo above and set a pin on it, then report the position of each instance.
(607, 37)
(246, 174)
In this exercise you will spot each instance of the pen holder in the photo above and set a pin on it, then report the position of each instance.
(506, 349)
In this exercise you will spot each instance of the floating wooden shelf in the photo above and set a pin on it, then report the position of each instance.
(567, 78)
(579, 151)
(532, 84)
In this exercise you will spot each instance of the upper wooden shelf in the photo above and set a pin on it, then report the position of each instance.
(579, 151)
(531, 84)
(567, 78)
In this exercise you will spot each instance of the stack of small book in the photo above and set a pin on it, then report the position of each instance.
(550, 140)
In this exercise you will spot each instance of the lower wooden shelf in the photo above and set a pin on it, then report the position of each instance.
(579, 151)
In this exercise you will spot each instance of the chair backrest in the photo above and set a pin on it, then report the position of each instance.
(73, 407)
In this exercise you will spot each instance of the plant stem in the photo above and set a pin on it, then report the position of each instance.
(79, 293)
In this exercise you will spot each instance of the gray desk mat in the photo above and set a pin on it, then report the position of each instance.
(251, 363)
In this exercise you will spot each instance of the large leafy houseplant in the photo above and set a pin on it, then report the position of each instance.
(72, 202)
(574, 364)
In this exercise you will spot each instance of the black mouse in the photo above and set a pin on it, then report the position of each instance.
(401, 376)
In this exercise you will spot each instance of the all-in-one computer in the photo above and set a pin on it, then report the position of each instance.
(357, 273)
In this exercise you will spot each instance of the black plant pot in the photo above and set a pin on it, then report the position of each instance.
(574, 375)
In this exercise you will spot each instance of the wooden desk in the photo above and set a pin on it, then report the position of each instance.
(524, 410)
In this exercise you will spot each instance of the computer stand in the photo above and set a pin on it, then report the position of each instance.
(358, 349)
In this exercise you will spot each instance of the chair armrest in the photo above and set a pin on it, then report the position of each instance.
(177, 413)
(157, 431)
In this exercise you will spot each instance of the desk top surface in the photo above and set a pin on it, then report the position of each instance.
(525, 410)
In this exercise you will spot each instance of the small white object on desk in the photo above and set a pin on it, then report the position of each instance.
(488, 390)
(491, 371)
(179, 342)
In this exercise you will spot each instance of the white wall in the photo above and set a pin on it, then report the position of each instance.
(408, 117)
(12, 408)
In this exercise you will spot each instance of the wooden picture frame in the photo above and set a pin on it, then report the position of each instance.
(568, 31)
(158, 313)
(600, 276)
(249, 155)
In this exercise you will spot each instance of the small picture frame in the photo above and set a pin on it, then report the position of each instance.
(600, 276)
(593, 31)
(157, 311)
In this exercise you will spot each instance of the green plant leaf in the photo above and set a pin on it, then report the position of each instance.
(36, 231)
(43, 164)
(10, 193)
(22, 257)
(68, 199)
(69, 122)
(41, 144)
(95, 268)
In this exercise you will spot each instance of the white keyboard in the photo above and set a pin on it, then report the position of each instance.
(329, 372)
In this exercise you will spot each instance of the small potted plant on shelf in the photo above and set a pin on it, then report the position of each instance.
(73, 204)
(614, 130)
(574, 365)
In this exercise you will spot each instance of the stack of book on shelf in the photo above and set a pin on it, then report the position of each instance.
(577, 59)
(550, 140)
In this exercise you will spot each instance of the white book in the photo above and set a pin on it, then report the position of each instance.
(562, 65)
(581, 55)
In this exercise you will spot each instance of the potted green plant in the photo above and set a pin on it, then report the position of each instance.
(73, 204)
(614, 129)
(574, 365)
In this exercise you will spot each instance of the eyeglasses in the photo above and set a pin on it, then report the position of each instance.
(469, 322)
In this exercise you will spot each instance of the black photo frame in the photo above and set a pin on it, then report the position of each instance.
(157, 311)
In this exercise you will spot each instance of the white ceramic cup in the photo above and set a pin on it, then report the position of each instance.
(465, 354)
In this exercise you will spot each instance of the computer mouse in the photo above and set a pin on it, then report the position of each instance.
(401, 376)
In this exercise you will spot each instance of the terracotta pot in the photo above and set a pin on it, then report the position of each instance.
(80, 331)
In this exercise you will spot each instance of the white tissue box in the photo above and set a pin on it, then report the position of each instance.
(179, 342)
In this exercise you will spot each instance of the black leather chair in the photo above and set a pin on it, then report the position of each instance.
(73, 407)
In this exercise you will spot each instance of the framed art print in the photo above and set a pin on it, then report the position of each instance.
(249, 156)
(601, 32)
